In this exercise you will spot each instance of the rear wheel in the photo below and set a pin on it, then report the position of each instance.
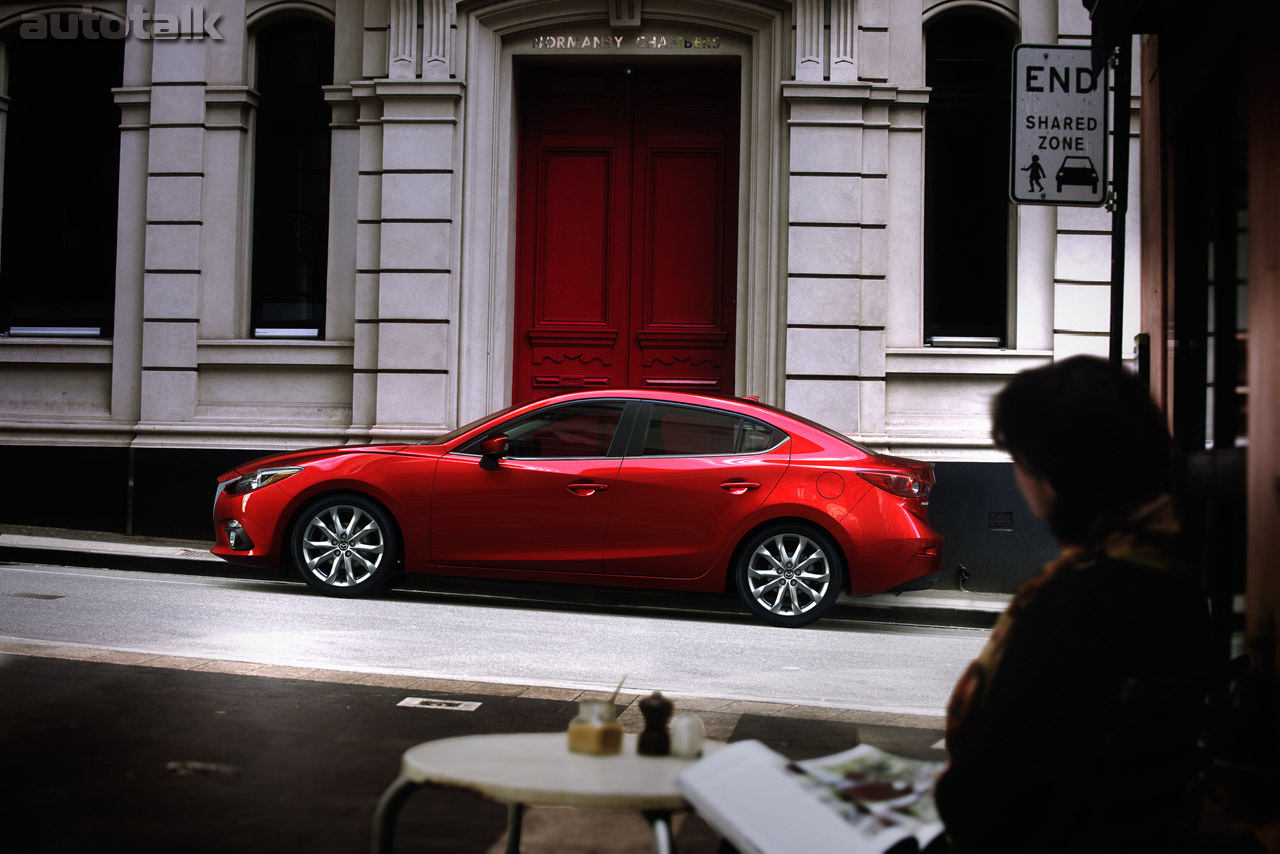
(344, 545)
(789, 574)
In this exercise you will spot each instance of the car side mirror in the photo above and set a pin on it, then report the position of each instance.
(491, 449)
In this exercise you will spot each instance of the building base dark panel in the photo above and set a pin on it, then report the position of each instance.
(89, 489)
(69, 487)
(992, 542)
(173, 489)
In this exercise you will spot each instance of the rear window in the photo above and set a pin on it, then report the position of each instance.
(692, 431)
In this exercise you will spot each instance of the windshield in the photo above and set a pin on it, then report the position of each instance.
(465, 428)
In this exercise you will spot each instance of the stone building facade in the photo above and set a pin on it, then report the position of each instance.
(317, 218)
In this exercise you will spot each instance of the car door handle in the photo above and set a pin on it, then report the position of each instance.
(587, 488)
(737, 487)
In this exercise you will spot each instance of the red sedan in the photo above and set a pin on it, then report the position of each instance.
(629, 488)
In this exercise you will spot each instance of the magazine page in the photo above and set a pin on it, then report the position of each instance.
(896, 789)
(764, 804)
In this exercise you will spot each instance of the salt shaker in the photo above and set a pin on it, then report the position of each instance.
(687, 734)
(655, 740)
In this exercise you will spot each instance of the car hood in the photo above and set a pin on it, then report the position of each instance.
(299, 458)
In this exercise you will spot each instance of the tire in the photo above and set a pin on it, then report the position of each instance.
(789, 574)
(344, 545)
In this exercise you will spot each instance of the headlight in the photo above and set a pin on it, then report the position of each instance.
(259, 479)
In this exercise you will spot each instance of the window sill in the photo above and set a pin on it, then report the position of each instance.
(292, 351)
(963, 360)
(74, 351)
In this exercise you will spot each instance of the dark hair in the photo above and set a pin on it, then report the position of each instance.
(1092, 431)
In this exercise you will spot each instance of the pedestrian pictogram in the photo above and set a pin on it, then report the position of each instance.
(1037, 173)
(1059, 146)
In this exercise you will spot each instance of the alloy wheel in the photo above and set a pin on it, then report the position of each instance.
(788, 574)
(343, 546)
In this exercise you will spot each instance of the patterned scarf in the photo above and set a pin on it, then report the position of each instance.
(1140, 541)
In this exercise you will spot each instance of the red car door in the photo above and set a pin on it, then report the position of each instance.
(545, 506)
(698, 475)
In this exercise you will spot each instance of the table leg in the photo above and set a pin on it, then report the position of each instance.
(515, 817)
(663, 840)
(388, 810)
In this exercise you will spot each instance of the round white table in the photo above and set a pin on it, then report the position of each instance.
(528, 769)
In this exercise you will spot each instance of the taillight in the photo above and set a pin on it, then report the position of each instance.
(903, 485)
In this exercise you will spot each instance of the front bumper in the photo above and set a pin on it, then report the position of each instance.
(245, 526)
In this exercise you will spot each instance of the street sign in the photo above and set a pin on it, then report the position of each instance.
(1058, 154)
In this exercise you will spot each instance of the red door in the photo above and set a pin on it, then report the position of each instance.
(626, 248)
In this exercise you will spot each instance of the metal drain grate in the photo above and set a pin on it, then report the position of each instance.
(436, 703)
(999, 521)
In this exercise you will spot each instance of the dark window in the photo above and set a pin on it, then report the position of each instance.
(689, 431)
(291, 179)
(966, 219)
(574, 430)
(61, 182)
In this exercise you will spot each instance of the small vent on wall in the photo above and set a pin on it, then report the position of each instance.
(999, 520)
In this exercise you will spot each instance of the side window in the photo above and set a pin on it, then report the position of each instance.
(574, 430)
(690, 431)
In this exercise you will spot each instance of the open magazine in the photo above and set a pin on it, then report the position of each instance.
(861, 800)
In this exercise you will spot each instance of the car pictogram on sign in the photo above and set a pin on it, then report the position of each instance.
(1078, 171)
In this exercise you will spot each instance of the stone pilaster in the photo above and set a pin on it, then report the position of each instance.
(838, 255)
(402, 40)
(174, 222)
(844, 60)
(809, 40)
(126, 367)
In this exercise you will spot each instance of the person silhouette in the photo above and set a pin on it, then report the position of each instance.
(1034, 173)
(1077, 726)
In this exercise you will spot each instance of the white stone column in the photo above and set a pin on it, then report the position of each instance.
(175, 178)
(364, 391)
(835, 259)
(437, 38)
(222, 198)
(402, 40)
(126, 364)
(344, 213)
(809, 40)
(844, 59)
(415, 367)
(873, 58)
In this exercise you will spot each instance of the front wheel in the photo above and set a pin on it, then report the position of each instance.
(789, 574)
(344, 545)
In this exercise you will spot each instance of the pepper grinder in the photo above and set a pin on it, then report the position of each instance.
(655, 740)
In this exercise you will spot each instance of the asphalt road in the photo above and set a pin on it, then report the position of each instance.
(705, 652)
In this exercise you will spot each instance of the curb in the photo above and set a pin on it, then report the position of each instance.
(192, 557)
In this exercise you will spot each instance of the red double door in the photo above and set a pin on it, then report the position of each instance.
(626, 244)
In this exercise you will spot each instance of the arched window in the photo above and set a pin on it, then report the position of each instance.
(61, 180)
(967, 209)
(291, 179)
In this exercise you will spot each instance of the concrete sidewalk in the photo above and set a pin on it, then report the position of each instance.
(117, 551)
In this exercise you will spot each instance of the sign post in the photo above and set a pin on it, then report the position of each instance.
(1058, 154)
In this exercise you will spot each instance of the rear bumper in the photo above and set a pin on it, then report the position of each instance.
(924, 582)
